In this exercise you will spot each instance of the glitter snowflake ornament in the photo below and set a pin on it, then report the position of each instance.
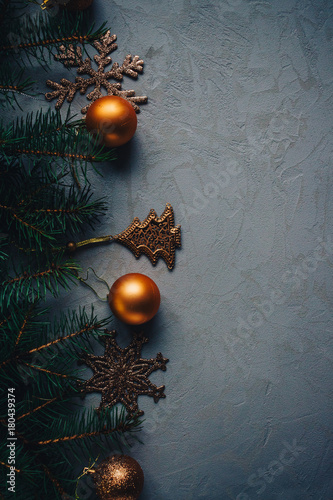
(72, 56)
(121, 375)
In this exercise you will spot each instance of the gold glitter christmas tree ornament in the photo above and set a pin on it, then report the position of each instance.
(156, 237)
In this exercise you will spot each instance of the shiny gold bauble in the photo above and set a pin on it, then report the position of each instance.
(74, 5)
(112, 119)
(119, 477)
(134, 298)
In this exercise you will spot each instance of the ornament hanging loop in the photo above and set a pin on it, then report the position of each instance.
(84, 281)
(86, 470)
(92, 241)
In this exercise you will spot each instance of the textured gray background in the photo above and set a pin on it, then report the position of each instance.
(237, 137)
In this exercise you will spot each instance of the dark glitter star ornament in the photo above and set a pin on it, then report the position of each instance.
(121, 375)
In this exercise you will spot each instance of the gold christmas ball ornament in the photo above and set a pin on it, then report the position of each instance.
(134, 298)
(112, 119)
(119, 477)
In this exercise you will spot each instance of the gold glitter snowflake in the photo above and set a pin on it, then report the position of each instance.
(72, 56)
(121, 375)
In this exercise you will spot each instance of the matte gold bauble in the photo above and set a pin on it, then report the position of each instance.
(134, 298)
(112, 119)
(74, 5)
(119, 477)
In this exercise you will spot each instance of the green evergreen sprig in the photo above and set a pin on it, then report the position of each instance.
(46, 136)
(37, 360)
(40, 36)
(13, 83)
(42, 205)
(41, 213)
(36, 281)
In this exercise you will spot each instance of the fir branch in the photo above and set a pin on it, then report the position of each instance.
(4, 321)
(38, 212)
(34, 34)
(86, 329)
(19, 320)
(3, 244)
(26, 317)
(54, 400)
(53, 480)
(12, 83)
(45, 136)
(40, 155)
(35, 283)
(84, 435)
(27, 225)
(24, 324)
(38, 408)
(43, 408)
(3, 256)
(31, 480)
(87, 425)
(32, 127)
(4, 464)
(45, 370)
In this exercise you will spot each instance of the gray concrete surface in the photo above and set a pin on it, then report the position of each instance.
(237, 136)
